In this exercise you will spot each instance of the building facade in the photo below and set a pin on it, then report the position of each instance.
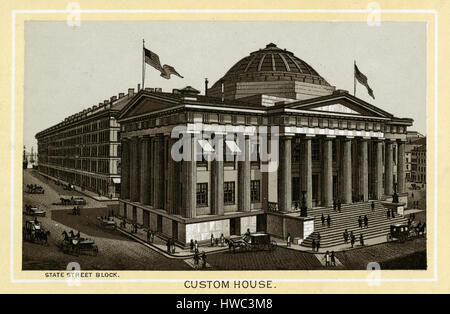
(84, 149)
(323, 142)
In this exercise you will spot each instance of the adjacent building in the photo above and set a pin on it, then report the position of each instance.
(418, 151)
(84, 149)
(329, 144)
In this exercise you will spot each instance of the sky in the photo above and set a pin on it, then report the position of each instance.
(71, 68)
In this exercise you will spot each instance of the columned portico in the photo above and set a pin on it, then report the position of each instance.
(401, 166)
(388, 161)
(363, 170)
(285, 174)
(327, 172)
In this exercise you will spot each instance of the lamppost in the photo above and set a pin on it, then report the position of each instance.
(303, 207)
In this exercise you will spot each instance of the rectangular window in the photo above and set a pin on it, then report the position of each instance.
(202, 194)
(255, 191)
(228, 193)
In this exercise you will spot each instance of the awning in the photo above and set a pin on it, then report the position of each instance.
(206, 146)
(116, 180)
(232, 146)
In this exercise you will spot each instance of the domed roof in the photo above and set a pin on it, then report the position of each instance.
(273, 61)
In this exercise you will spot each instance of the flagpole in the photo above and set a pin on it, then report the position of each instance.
(354, 78)
(143, 63)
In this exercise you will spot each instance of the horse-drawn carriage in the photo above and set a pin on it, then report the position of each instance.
(71, 200)
(35, 189)
(34, 232)
(403, 232)
(76, 245)
(252, 242)
(107, 222)
(32, 210)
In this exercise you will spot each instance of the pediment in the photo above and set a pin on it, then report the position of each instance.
(146, 105)
(344, 104)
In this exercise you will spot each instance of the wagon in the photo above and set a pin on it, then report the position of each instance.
(77, 246)
(34, 232)
(107, 222)
(401, 232)
(253, 242)
(31, 210)
(71, 200)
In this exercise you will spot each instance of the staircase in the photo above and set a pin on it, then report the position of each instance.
(379, 224)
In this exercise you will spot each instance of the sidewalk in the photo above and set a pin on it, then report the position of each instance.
(85, 192)
(160, 246)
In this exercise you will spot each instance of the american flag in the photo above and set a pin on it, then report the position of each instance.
(152, 59)
(363, 80)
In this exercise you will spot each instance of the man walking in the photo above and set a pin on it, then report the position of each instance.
(323, 220)
(313, 245)
(327, 259)
(334, 205)
(339, 204)
(333, 259)
(288, 240)
(388, 213)
(328, 221)
(361, 239)
(366, 222)
(345, 236)
(372, 205)
(317, 246)
(352, 239)
(360, 222)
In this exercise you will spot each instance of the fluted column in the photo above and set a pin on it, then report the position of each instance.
(388, 161)
(285, 175)
(347, 170)
(327, 172)
(363, 170)
(134, 170)
(401, 167)
(158, 199)
(244, 168)
(307, 171)
(125, 170)
(145, 172)
(171, 179)
(378, 178)
(217, 182)
(191, 181)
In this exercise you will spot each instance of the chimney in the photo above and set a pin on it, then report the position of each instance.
(130, 92)
(139, 87)
(121, 95)
(222, 84)
(148, 89)
(113, 98)
(206, 86)
(158, 89)
(106, 101)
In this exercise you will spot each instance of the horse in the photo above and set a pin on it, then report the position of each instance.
(43, 237)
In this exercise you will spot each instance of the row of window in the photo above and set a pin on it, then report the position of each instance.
(229, 193)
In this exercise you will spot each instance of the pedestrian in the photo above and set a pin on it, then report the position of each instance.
(172, 242)
(317, 246)
(372, 205)
(339, 205)
(191, 245)
(412, 195)
(345, 236)
(388, 213)
(318, 236)
(148, 236)
(222, 240)
(352, 239)
(392, 213)
(334, 205)
(168, 245)
(333, 259)
(313, 245)
(361, 239)
(366, 222)
(217, 241)
(288, 240)
(212, 239)
(327, 259)
(153, 236)
(328, 221)
(196, 246)
(360, 222)
(323, 220)
(204, 260)
(196, 259)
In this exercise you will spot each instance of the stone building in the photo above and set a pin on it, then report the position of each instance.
(84, 149)
(329, 143)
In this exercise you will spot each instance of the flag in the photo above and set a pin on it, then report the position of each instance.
(152, 59)
(363, 80)
(168, 70)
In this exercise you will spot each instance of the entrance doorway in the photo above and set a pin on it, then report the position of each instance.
(235, 226)
(175, 230)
